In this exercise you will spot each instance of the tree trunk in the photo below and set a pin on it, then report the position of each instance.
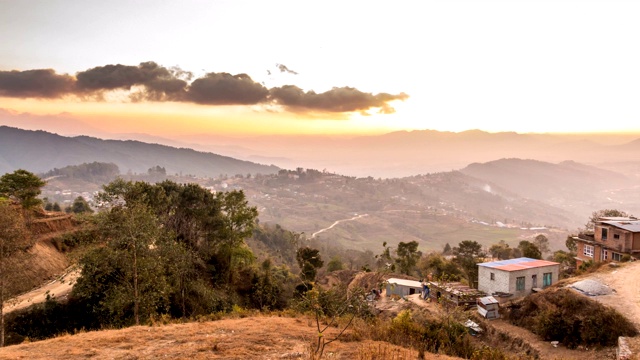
(136, 298)
(1, 296)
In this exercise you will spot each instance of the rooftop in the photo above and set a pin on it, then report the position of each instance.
(629, 225)
(522, 263)
(405, 282)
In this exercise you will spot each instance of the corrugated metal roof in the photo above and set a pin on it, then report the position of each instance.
(518, 264)
(633, 226)
(405, 282)
(488, 300)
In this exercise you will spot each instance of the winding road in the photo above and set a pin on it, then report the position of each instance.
(336, 223)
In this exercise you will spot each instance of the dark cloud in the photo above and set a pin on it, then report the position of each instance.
(284, 68)
(40, 83)
(226, 89)
(152, 82)
(344, 99)
(160, 83)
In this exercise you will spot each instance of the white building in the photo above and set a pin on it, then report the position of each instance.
(517, 277)
(403, 287)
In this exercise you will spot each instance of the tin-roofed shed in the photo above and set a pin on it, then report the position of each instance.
(403, 287)
(517, 277)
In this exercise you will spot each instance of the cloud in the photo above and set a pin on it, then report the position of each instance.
(343, 99)
(160, 83)
(284, 68)
(39, 83)
(226, 89)
(149, 81)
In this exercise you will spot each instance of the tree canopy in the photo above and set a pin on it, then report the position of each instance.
(23, 186)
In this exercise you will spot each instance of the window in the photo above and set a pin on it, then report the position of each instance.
(604, 233)
(520, 283)
(493, 276)
(616, 256)
(546, 279)
(616, 236)
(534, 281)
(588, 250)
(605, 254)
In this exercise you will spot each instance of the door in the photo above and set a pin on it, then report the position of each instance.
(534, 281)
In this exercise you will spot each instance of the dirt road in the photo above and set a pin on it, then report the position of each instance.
(625, 281)
(57, 289)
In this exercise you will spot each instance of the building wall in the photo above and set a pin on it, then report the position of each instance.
(500, 282)
(401, 290)
(624, 241)
(505, 281)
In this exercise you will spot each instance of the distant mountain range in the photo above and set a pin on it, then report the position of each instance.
(40, 151)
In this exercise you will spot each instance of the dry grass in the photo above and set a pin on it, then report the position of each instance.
(260, 337)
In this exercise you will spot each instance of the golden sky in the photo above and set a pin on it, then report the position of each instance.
(331, 67)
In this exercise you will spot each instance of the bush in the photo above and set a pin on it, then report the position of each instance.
(571, 319)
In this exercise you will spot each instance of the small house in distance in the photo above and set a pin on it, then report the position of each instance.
(403, 287)
(516, 277)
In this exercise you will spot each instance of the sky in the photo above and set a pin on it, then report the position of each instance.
(173, 68)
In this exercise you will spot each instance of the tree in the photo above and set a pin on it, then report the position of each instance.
(435, 264)
(56, 207)
(128, 272)
(571, 244)
(80, 206)
(335, 264)
(408, 256)
(529, 249)
(447, 249)
(542, 243)
(503, 251)
(468, 254)
(22, 186)
(13, 239)
(596, 215)
(309, 261)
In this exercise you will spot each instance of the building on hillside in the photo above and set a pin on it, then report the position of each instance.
(489, 307)
(612, 238)
(403, 287)
(516, 277)
(454, 293)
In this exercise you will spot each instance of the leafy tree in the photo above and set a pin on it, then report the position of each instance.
(529, 249)
(590, 225)
(13, 239)
(309, 261)
(335, 264)
(384, 259)
(408, 256)
(80, 206)
(22, 186)
(468, 254)
(571, 244)
(56, 207)
(439, 267)
(542, 243)
(138, 286)
(503, 251)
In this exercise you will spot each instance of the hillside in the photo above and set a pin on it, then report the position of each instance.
(39, 151)
(568, 185)
(257, 337)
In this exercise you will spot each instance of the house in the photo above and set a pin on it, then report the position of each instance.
(516, 277)
(454, 293)
(612, 238)
(403, 287)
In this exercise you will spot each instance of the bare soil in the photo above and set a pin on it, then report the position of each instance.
(260, 337)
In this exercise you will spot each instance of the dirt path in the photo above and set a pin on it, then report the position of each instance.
(57, 289)
(336, 223)
(625, 280)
